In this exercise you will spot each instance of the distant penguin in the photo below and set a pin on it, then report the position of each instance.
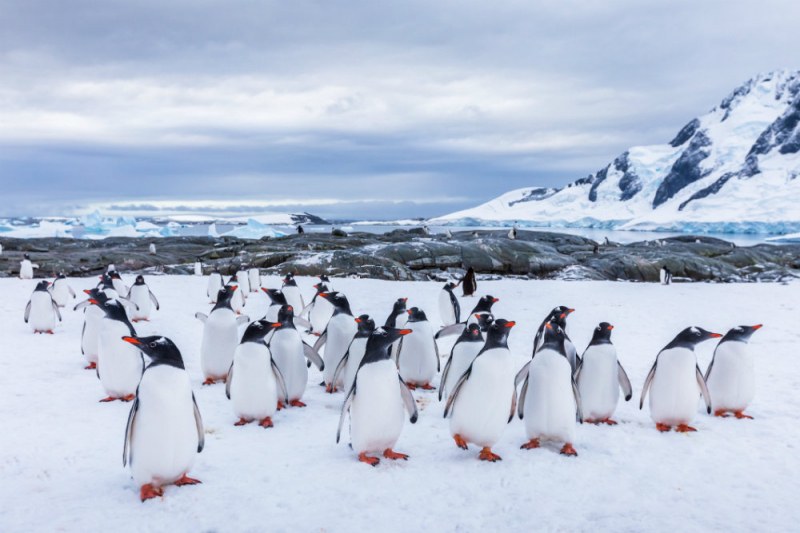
(482, 309)
(119, 285)
(164, 430)
(600, 376)
(92, 320)
(463, 353)
(676, 382)
(337, 336)
(327, 281)
(254, 382)
(448, 234)
(254, 279)
(214, 286)
(289, 352)
(396, 319)
(42, 311)
(355, 352)
(665, 275)
(152, 248)
(731, 376)
(319, 311)
(469, 283)
(220, 336)
(141, 295)
(484, 398)
(376, 401)
(119, 364)
(277, 300)
(512, 233)
(417, 353)
(449, 308)
(292, 292)
(61, 290)
(237, 296)
(558, 316)
(26, 267)
(198, 267)
(243, 281)
(549, 399)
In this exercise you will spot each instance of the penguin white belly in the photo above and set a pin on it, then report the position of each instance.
(294, 298)
(164, 439)
(272, 313)
(674, 393)
(220, 338)
(26, 270)
(118, 363)
(483, 405)
(243, 279)
(377, 413)
(91, 333)
(463, 355)
(140, 295)
(572, 354)
(731, 382)
(549, 401)
(214, 286)
(357, 350)
(237, 300)
(198, 268)
(120, 286)
(598, 384)
(418, 354)
(254, 390)
(42, 316)
(341, 330)
(254, 280)
(446, 311)
(287, 351)
(61, 294)
(320, 314)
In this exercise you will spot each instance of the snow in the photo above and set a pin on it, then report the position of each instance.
(60, 459)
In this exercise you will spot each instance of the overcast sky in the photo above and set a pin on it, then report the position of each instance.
(394, 109)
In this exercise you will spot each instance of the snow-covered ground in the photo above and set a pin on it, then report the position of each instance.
(61, 450)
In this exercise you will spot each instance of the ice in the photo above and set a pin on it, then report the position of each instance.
(254, 230)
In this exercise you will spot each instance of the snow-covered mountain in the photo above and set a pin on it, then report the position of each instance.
(732, 170)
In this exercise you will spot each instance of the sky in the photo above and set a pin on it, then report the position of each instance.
(371, 110)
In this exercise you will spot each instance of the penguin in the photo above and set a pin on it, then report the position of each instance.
(483, 307)
(41, 311)
(397, 315)
(417, 353)
(119, 285)
(143, 297)
(327, 281)
(277, 300)
(214, 286)
(319, 311)
(220, 336)
(676, 381)
(484, 398)
(152, 248)
(337, 336)
(469, 283)
(119, 364)
(237, 296)
(289, 353)
(164, 430)
(731, 374)
(665, 275)
(449, 308)
(558, 316)
(512, 233)
(376, 401)
(600, 376)
(355, 352)
(254, 279)
(292, 292)
(243, 281)
(198, 267)
(26, 267)
(92, 319)
(464, 351)
(254, 381)
(61, 290)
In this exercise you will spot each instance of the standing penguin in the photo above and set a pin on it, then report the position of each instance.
(292, 292)
(484, 398)
(550, 394)
(558, 316)
(61, 291)
(449, 308)
(92, 320)
(355, 352)
(119, 285)
(141, 295)
(198, 267)
(220, 337)
(376, 400)
(152, 248)
(277, 300)
(214, 286)
(327, 281)
(337, 336)
(417, 353)
(42, 310)
(463, 353)
(665, 275)
(289, 352)
(396, 319)
(482, 308)
(237, 296)
(319, 311)
(26, 267)
(164, 430)
(599, 378)
(243, 281)
(469, 283)
(676, 381)
(119, 364)
(254, 279)
(254, 382)
(731, 376)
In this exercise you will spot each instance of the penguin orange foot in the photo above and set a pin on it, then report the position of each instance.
(186, 480)
(209, 381)
(148, 491)
(266, 423)
(390, 454)
(530, 445)
(663, 428)
(330, 389)
(740, 415)
(128, 398)
(108, 399)
(567, 449)
(460, 442)
(90, 366)
(487, 455)
(609, 421)
(364, 458)
(242, 422)
(427, 386)
(297, 403)
(411, 386)
(280, 406)
(684, 428)
(721, 413)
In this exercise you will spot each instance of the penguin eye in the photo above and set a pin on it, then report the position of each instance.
(259, 326)
(153, 344)
(598, 328)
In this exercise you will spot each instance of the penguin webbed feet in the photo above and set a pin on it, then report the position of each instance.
(148, 492)
(487, 455)
(568, 450)
(330, 388)
(460, 442)
(663, 428)
(741, 416)
(393, 455)
(242, 422)
(685, 428)
(364, 458)
(266, 423)
(530, 445)
(186, 480)
(297, 403)
(90, 366)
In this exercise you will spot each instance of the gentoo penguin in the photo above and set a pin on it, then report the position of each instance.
(665, 275)
(449, 309)
(277, 300)
(119, 285)
(394, 320)
(92, 320)
(559, 317)
(42, 310)
(512, 233)
(143, 297)
(237, 296)
(463, 353)
(119, 364)
(469, 283)
(600, 376)
(254, 279)
(152, 248)
(483, 307)
(731, 374)
(355, 352)
(164, 430)
(319, 311)
(243, 281)
(337, 336)
(549, 398)
(376, 400)
(292, 292)
(214, 285)
(484, 398)
(26, 267)
(417, 353)
(254, 382)
(289, 352)
(61, 290)
(198, 267)
(676, 381)
(327, 281)
(220, 336)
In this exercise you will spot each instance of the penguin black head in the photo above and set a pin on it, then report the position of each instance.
(602, 334)
(485, 304)
(378, 343)
(113, 309)
(497, 334)
(96, 294)
(61, 275)
(365, 326)
(321, 287)
(114, 275)
(559, 315)
(288, 280)
(740, 333)
(42, 286)
(691, 337)
(399, 306)
(276, 296)
(105, 282)
(484, 320)
(160, 350)
(449, 286)
(471, 333)
(139, 280)
(554, 338)
(286, 314)
(26, 256)
(258, 330)
(415, 314)
(224, 296)
(338, 301)
(324, 279)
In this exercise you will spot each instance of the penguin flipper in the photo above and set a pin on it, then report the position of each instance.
(453, 329)
(522, 374)
(242, 319)
(127, 452)
(345, 408)
(153, 299)
(624, 382)
(438, 356)
(399, 351)
(647, 382)
(281, 381)
(446, 371)
(577, 395)
(408, 400)
(72, 292)
(340, 366)
(81, 305)
(522, 393)
(710, 366)
(321, 341)
(703, 388)
(58, 313)
(198, 422)
(448, 408)
(27, 311)
(202, 317)
(228, 382)
(513, 405)
(456, 306)
(313, 356)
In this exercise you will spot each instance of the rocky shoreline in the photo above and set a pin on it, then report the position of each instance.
(414, 255)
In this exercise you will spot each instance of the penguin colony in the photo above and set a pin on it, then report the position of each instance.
(266, 369)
